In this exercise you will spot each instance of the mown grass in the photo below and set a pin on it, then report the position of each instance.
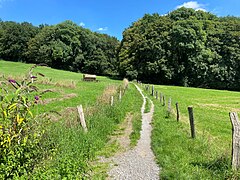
(67, 150)
(209, 155)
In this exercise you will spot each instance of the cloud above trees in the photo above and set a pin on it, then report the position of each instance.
(82, 24)
(194, 5)
(103, 29)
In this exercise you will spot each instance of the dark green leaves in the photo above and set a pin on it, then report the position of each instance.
(185, 47)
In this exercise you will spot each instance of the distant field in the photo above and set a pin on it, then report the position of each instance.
(209, 155)
(67, 87)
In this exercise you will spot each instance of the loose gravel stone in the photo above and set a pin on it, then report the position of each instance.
(138, 163)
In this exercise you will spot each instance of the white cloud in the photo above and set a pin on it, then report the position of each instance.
(194, 5)
(103, 29)
(81, 24)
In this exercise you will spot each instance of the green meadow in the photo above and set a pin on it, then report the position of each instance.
(208, 156)
(68, 152)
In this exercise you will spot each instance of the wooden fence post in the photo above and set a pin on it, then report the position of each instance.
(169, 106)
(177, 108)
(191, 119)
(111, 100)
(156, 94)
(163, 98)
(82, 119)
(120, 95)
(235, 140)
(152, 90)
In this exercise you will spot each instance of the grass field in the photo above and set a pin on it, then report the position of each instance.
(67, 150)
(209, 155)
(63, 84)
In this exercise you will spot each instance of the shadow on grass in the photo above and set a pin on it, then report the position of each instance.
(115, 77)
(220, 165)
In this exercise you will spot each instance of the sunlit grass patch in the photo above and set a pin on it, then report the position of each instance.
(209, 155)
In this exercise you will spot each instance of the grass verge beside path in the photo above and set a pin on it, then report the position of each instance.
(147, 106)
(137, 119)
(131, 106)
(75, 149)
(209, 155)
(67, 150)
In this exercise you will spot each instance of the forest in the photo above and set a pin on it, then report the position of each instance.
(184, 47)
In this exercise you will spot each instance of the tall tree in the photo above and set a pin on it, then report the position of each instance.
(14, 38)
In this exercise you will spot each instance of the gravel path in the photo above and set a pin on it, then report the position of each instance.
(138, 163)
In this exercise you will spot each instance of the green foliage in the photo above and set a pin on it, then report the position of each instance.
(14, 38)
(19, 134)
(185, 47)
(63, 46)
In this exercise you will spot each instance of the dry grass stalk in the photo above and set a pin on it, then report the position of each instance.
(106, 96)
(125, 83)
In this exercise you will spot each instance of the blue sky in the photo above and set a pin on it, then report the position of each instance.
(106, 16)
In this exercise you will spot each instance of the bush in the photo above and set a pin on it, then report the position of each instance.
(19, 132)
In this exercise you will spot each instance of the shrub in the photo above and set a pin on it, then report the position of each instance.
(19, 133)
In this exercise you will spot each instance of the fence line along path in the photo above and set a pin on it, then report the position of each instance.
(138, 163)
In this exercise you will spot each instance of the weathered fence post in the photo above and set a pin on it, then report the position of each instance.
(235, 140)
(82, 119)
(152, 90)
(111, 100)
(163, 98)
(177, 108)
(169, 106)
(120, 95)
(156, 94)
(191, 119)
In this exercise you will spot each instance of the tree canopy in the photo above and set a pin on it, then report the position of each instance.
(185, 47)
(64, 46)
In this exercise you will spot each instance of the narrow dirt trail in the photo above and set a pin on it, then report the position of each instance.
(138, 163)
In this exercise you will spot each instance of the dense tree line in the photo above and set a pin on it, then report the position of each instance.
(64, 46)
(185, 47)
